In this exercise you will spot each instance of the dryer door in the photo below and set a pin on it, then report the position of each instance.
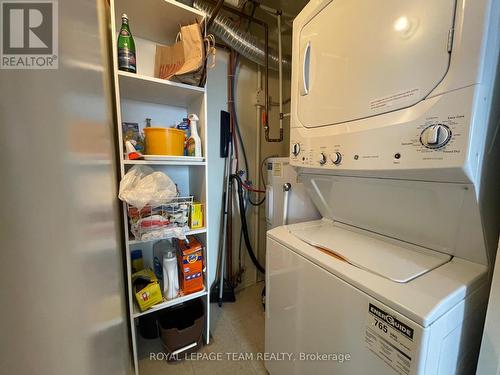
(361, 58)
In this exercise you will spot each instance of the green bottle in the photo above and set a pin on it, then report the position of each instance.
(126, 48)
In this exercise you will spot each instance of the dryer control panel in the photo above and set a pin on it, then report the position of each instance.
(434, 139)
(438, 139)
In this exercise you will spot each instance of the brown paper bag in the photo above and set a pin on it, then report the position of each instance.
(185, 56)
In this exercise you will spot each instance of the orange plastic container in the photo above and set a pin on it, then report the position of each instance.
(164, 141)
(190, 259)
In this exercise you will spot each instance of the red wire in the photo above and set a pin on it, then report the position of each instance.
(249, 188)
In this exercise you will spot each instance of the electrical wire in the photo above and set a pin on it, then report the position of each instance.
(234, 74)
(244, 225)
(249, 188)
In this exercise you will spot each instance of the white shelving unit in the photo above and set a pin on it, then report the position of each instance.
(141, 95)
(156, 90)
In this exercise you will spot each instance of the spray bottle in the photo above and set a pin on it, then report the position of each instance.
(194, 141)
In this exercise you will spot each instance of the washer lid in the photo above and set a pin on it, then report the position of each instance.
(359, 58)
(392, 259)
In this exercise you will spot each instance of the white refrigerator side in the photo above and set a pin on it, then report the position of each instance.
(61, 260)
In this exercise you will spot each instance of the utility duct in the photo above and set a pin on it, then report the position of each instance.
(243, 42)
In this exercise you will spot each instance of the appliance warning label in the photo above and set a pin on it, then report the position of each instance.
(395, 99)
(389, 339)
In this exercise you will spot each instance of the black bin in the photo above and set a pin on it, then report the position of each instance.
(181, 328)
(148, 326)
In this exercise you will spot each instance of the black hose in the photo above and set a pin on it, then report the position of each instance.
(256, 203)
(244, 225)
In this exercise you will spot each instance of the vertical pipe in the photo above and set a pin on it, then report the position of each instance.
(286, 195)
(280, 69)
(257, 167)
(226, 205)
(266, 119)
(230, 82)
(266, 105)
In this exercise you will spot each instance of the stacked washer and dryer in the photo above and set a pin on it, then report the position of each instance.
(394, 134)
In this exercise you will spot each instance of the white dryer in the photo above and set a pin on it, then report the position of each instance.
(395, 136)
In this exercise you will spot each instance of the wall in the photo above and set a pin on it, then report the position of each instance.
(216, 101)
(246, 87)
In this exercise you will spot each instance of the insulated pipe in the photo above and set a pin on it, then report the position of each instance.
(243, 42)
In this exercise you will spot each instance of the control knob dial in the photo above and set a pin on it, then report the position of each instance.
(336, 158)
(435, 136)
(322, 159)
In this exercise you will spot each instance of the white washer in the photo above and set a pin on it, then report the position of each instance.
(318, 304)
(394, 135)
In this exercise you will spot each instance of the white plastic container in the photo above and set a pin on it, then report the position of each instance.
(170, 275)
(160, 248)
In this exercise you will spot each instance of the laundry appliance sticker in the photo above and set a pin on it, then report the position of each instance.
(394, 99)
(390, 339)
(277, 169)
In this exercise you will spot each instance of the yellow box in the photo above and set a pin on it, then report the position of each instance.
(196, 217)
(149, 295)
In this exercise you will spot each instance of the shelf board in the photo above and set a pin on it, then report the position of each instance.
(156, 20)
(174, 161)
(170, 303)
(191, 232)
(156, 90)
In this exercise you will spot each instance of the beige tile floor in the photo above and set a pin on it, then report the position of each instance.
(236, 328)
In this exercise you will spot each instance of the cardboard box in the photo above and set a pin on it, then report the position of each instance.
(150, 294)
(196, 218)
(190, 260)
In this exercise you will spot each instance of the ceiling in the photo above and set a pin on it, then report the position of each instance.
(288, 6)
(290, 9)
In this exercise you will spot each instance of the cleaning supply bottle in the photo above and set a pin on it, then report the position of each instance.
(159, 249)
(194, 141)
(170, 275)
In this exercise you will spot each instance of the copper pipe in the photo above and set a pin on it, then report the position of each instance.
(214, 13)
(266, 125)
(266, 47)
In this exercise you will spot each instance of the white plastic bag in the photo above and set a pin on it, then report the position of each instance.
(142, 186)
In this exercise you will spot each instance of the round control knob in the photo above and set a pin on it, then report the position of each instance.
(295, 149)
(336, 158)
(435, 136)
(322, 159)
